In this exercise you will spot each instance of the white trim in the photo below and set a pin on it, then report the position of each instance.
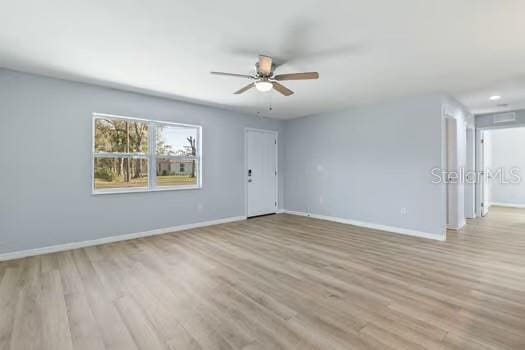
(114, 116)
(451, 203)
(145, 189)
(373, 226)
(111, 239)
(470, 188)
(508, 205)
(276, 133)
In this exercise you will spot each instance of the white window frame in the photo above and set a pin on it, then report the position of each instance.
(151, 156)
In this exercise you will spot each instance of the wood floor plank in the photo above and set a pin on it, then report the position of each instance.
(85, 332)
(141, 329)
(9, 295)
(27, 326)
(114, 332)
(56, 332)
(276, 282)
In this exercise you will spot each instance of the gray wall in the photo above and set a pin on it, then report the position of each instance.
(363, 164)
(45, 138)
(507, 151)
(367, 164)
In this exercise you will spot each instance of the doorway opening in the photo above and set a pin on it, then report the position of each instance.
(501, 162)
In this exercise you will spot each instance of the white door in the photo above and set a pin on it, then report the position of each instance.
(261, 172)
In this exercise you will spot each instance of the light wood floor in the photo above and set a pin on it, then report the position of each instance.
(278, 282)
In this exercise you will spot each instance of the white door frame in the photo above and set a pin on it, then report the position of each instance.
(245, 176)
(451, 163)
(470, 186)
(480, 164)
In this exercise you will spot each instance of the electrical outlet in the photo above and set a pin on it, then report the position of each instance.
(404, 211)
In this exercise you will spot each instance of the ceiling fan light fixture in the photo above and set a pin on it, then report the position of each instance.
(263, 85)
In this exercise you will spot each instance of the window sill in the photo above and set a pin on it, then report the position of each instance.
(142, 190)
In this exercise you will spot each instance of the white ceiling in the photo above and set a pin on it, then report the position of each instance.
(364, 50)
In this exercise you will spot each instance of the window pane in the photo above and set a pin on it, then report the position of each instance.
(176, 141)
(175, 172)
(121, 135)
(115, 173)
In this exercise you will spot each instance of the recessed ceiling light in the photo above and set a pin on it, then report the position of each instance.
(494, 97)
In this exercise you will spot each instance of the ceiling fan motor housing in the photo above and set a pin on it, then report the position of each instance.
(259, 74)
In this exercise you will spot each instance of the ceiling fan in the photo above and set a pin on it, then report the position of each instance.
(265, 80)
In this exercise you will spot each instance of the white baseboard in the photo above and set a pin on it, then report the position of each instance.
(508, 205)
(111, 239)
(373, 226)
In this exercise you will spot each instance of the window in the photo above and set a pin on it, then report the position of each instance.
(132, 154)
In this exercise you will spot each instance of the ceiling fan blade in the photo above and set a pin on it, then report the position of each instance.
(246, 88)
(233, 75)
(297, 76)
(282, 89)
(264, 67)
